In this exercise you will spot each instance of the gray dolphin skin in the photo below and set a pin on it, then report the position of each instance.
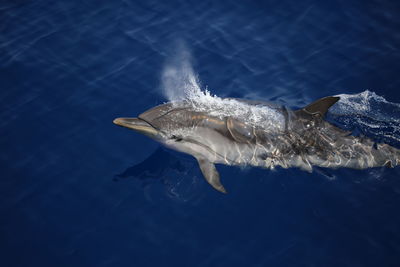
(303, 140)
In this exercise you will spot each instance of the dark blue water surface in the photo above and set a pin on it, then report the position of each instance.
(75, 190)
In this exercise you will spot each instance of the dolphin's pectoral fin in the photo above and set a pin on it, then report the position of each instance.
(211, 174)
(320, 106)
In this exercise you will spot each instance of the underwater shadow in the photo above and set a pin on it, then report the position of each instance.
(155, 166)
(176, 175)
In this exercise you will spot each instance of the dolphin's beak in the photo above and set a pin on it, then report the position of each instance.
(138, 125)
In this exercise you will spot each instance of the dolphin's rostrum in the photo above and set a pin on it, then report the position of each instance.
(303, 139)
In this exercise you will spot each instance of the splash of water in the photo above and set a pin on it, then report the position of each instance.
(178, 78)
(369, 114)
(370, 104)
(180, 83)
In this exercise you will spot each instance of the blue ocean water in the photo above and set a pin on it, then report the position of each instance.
(75, 190)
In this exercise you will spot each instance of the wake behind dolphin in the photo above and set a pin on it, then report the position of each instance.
(243, 132)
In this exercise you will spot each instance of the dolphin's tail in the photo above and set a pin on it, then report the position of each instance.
(385, 155)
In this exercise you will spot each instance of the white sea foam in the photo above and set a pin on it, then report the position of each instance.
(257, 115)
(368, 103)
(370, 112)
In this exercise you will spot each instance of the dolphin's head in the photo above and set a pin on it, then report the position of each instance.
(161, 122)
(177, 125)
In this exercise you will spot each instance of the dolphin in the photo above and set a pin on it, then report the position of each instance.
(278, 137)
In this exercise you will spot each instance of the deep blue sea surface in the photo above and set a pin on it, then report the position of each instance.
(76, 190)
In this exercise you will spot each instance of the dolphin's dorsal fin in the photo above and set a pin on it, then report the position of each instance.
(211, 174)
(320, 106)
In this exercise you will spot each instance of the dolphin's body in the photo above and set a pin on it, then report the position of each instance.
(300, 138)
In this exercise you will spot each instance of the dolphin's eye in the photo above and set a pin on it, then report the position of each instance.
(177, 138)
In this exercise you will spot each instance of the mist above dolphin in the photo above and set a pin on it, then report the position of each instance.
(243, 132)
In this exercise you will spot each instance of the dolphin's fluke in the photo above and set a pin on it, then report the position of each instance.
(321, 106)
(211, 174)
